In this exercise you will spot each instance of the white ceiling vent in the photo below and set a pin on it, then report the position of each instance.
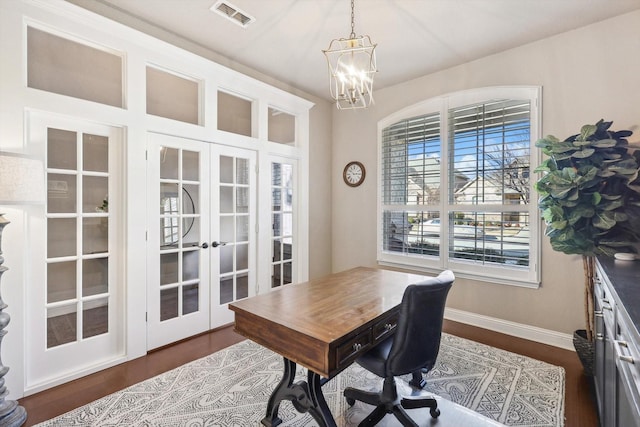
(232, 13)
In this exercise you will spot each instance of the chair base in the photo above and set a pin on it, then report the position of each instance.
(387, 402)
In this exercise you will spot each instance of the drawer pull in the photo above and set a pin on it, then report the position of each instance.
(606, 307)
(357, 346)
(619, 351)
(598, 313)
(389, 326)
(599, 337)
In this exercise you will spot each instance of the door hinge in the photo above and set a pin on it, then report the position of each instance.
(146, 236)
(146, 154)
(146, 316)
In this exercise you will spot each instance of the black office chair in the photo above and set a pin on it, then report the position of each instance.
(412, 348)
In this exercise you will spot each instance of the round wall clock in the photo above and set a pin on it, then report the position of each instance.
(353, 174)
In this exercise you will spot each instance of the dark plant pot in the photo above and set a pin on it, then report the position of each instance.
(585, 350)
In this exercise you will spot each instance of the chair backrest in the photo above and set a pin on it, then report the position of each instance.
(417, 339)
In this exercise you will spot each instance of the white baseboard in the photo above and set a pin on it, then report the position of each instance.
(532, 333)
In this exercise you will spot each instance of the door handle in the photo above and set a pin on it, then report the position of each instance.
(216, 244)
(205, 245)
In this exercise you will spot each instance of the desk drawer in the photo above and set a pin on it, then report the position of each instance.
(352, 348)
(385, 327)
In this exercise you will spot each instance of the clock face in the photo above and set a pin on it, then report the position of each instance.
(353, 174)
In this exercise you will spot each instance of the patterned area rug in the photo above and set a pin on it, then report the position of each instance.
(231, 388)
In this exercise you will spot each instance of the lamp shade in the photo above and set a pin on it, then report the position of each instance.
(21, 180)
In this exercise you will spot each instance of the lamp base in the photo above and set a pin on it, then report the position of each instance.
(11, 414)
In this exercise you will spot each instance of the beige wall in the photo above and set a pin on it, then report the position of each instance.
(320, 201)
(586, 74)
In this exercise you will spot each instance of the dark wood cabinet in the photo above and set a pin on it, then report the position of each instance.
(617, 359)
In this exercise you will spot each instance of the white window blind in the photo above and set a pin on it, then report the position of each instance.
(478, 219)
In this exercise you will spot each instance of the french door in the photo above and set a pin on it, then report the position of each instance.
(201, 249)
(233, 229)
(75, 306)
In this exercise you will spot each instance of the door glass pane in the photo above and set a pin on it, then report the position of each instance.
(242, 200)
(226, 259)
(61, 149)
(190, 232)
(242, 228)
(226, 170)
(190, 165)
(95, 318)
(242, 171)
(168, 163)
(242, 256)
(190, 199)
(226, 199)
(61, 325)
(276, 224)
(61, 237)
(95, 276)
(61, 281)
(226, 290)
(286, 273)
(95, 193)
(95, 153)
(95, 235)
(168, 304)
(169, 198)
(277, 250)
(190, 265)
(190, 298)
(276, 278)
(61, 193)
(168, 268)
(242, 286)
(226, 228)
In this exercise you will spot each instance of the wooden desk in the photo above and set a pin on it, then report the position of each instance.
(323, 325)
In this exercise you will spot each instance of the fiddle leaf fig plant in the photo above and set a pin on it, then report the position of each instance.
(587, 191)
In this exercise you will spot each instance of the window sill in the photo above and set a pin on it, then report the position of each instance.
(462, 274)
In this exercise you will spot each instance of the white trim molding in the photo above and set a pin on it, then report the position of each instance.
(532, 333)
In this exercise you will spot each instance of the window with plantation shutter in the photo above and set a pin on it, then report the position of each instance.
(456, 188)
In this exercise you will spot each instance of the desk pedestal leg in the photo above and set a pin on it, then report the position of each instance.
(320, 410)
(306, 396)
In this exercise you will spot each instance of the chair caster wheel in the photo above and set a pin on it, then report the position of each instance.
(435, 412)
(351, 401)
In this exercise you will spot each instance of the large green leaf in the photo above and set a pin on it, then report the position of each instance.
(587, 131)
(604, 143)
(603, 220)
(584, 153)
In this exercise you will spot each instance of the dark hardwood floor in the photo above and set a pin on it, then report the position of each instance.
(579, 404)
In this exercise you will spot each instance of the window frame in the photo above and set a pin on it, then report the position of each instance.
(494, 273)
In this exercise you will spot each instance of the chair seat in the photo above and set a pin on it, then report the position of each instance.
(375, 359)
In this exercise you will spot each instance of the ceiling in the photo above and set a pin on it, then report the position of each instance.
(414, 37)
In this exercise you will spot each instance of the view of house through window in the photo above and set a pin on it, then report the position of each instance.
(456, 187)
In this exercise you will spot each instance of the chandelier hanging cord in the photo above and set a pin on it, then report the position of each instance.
(353, 19)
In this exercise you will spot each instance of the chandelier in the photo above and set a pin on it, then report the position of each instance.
(352, 65)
